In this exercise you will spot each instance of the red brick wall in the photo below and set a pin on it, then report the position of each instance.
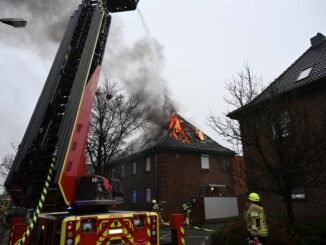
(185, 177)
(179, 178)
(314, 103)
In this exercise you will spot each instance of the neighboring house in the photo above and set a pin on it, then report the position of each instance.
(299, 91)
(179, 165)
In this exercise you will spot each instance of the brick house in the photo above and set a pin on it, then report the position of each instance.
(173, 169)
(300, 88)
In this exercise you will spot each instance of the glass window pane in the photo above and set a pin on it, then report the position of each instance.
(148, 195)
(134, 168)
(204, 161)
(148, 164)
(134, 196)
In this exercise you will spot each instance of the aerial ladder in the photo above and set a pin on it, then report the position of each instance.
(48, 174)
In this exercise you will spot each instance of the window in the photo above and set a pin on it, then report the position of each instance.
(88, 226)
(204, 162)
(148, 195)
(134, 168)
(305, 73)
(282, 125)
(298, 194)
(225, 163)
(148, 164)
(112, 173)
(122, 171)
(133, 196)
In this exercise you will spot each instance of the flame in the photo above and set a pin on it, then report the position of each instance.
(200, 134)
(176, 128)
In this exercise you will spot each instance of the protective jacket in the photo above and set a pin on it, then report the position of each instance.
(156, 208)
(256, 221)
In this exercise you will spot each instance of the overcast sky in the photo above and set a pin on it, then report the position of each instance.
(204, 43)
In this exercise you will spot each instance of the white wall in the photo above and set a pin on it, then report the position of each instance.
(220, 207)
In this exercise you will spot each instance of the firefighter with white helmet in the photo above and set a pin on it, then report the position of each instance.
(157, 208)
(256, 220)
(187, 209)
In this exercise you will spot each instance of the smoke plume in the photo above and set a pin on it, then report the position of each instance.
(46, 22)
(140, 69)
(138, 66)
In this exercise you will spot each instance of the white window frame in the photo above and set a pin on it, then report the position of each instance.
(204, 160)
(304, 73)
(123, 171)
(148, 164)
(134, 168)
(148, 195)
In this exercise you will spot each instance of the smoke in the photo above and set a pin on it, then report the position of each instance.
(140, 69)
(46, 22)
(138, 66)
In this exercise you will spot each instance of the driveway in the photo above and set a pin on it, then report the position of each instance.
(193, 235)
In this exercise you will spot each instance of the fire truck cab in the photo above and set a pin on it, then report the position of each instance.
(111, 228)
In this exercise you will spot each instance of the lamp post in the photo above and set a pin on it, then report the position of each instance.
(15, 22)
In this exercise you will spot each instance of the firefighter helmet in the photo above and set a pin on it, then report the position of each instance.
(254, 197)
(153, 201)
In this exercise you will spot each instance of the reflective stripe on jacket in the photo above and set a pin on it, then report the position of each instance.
(256, 220)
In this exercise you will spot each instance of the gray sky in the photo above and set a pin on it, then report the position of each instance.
(204, 43)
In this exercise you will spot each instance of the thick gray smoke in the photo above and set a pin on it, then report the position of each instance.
(138, 67)
(47, 20)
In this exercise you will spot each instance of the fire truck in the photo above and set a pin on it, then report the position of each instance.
(47, 177)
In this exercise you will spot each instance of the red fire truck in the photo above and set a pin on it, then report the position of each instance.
(48, 173)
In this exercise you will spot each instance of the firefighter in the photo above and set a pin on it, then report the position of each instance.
(256, 220)
(158, 209)
(187, 209)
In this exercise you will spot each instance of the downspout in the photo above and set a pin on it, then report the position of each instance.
(156, 174)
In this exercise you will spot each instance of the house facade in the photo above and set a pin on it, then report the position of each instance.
(290, 114)
(174, 170)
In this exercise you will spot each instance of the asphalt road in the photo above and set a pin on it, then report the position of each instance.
(192, 236)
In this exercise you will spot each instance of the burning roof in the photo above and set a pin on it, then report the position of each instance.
(179, 135)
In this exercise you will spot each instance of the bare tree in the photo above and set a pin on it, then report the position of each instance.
(115, 118)
(284, 148)
(242, 88)
(283, 144)
(6, 162)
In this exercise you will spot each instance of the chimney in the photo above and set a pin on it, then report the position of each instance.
(318, 39)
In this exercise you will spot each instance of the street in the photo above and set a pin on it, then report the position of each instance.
(192, 236)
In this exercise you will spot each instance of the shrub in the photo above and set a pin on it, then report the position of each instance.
(235, 233)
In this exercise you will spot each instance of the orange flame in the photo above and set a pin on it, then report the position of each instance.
(176, 128)
(200, 134)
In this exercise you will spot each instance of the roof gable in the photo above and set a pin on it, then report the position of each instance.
(163, 140)
(314, 58)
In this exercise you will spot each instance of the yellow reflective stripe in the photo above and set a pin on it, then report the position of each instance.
(77, 240)
(37, 212)
(183, 240)
(77, 225)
